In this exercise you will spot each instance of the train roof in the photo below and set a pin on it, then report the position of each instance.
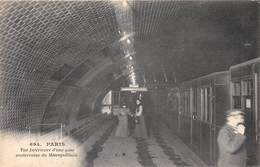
(208, 75)
(212, 74)
(204, 77)
(246, 63)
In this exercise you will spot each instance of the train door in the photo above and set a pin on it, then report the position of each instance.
(176, 113)
(184, 117)
(180, 113)
(173, 106)
(195, 129)
(243, 97)
(257, 114)
(220, 105)
(247, 99)
(188, 115)
(206, 124)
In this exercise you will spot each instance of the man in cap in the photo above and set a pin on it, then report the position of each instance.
(231, 139)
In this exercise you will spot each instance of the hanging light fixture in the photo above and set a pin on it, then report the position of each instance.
(128, 41)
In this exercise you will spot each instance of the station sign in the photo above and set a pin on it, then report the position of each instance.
(134, 86)
(134, 89)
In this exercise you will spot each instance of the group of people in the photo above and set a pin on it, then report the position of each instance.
(131, 121)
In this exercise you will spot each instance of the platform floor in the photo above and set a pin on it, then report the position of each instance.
(161, 149)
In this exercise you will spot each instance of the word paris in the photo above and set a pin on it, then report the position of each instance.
(47, 144)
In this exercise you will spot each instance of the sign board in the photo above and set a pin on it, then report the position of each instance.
(134, 89)
(248, 103)
(134, 86)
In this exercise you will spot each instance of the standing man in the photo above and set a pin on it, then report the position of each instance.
(231, 139)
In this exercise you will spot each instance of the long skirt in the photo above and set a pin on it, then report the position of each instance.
(140, 128)
(122, 127)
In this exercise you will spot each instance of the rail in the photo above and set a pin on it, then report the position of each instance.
(49, 124)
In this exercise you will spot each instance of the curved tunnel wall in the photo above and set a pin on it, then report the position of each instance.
(75, 98)
(47, 47)
(40, 39)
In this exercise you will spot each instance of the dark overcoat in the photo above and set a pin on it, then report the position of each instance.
(232, 151)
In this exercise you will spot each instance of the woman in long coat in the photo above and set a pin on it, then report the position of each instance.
(122, 128)
(140, 128)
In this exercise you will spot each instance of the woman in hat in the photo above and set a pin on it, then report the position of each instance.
(140, 128)
(122, 127)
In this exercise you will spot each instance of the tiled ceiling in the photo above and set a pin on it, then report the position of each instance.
(190, 39)
(43, 42)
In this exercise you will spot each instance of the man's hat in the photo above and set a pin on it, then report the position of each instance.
(234, 112)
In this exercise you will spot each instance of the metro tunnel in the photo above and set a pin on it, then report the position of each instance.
(72, 71)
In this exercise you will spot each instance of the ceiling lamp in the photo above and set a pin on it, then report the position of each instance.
(128, 41)
(124, 3)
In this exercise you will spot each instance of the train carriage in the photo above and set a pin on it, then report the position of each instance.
(245, 95)
(201, 105)
(257, 110)
(211, 99)
(198, 109)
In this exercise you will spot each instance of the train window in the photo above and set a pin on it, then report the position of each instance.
(187, 102)
(236, 93)
(206, 104)
(182, 103)
(198, 101)
(236, 102)
(247, 94)
(172, 102)
(175, 104)
(202, 104)
(236, 88)
(246, 88)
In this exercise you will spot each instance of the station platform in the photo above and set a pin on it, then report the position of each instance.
(161, 149)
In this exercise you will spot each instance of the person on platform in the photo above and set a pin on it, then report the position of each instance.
(122, 127)
(231, 140)
(131, 120)
(140, 128)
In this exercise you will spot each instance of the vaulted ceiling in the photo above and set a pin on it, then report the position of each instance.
(191, 39)
(48, 43)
